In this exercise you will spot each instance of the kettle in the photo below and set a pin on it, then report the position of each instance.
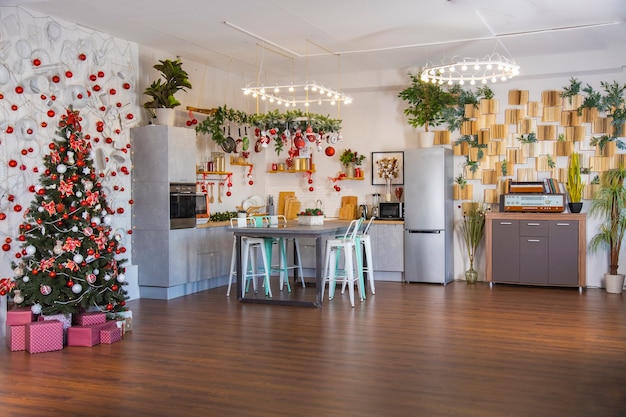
(363, 211)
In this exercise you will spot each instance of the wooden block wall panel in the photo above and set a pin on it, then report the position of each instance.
(489, 176)
(510, 169)
(546, 132)
(489, 106)
(589, 115)
(564, 148)
(612, 129)
(491, 196)
(620, 160)
(495, 148)
(600, 125)
(499, 131)
(541, 163)
(489, 162)
(599, 164)
(560, 174)
(473, 154)
(513, 116)
(518, 97)
(471, 111)
(526, 174)
(526, 126)
(546, 147)
(575, 133)
(572, 103)
(529, 150)
(608, 150)
(472, 175)
(484, 136)
(514, 156)
(485, 121)
(570, 118)
(469, 127)
(589, 190)
(465, 193)
(551, 98)
(442, 137)
(462, 149)
(551, 113)
(534, 109)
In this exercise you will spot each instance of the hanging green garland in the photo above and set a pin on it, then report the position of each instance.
(291, 119)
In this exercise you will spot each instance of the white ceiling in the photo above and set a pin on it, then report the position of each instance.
(273, 39)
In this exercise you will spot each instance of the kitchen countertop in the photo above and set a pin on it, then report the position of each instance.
(329, 219)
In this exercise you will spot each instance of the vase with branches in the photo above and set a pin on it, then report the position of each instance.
(473, 230)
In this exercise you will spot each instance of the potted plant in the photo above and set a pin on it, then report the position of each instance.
(574, 185)
(311, 217)
(609, 206)
(162, 91)
(473, 230)
(426, 105)
(349, 159)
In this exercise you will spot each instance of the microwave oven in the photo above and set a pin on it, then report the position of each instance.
(391, 210)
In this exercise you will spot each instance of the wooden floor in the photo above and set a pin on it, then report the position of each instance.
(410, 350)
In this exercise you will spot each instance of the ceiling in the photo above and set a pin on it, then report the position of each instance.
(271, 40)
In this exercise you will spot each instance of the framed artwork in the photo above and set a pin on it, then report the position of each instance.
(387, 158)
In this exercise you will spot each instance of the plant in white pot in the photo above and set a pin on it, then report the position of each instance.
(574, 184)
(609, 206)
(426, 104)
(162, 91)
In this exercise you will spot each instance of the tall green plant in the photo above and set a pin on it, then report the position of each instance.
(162, 91)
(609, 206)
(426, 102)
(574, 183)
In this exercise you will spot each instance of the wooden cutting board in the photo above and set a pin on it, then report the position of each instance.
(346, 212)
(351, 211)
(292, 210)
(282, 196)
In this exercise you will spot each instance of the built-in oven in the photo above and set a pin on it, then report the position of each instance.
(182, 205)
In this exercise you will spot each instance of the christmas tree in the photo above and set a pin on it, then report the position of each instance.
(68, 249)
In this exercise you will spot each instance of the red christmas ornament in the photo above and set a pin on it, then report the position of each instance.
(109, 307)
(3, 216)
(120, 210)
(250, 182)
(68, 74)
(21, 238)
(100, 74)
(56, 79)
(12, 163)
(6, 247)
(93, 77)
(70, 284)
(52, 274)
(126, 86)
(112, 92)
(9, 129)
(96, 87)
(330, 151)
(310, 181)
(19, 89)
(31, 188)
(51, 113)
(44, 124)
(131, 201)
(311, 189)
(228, 193)
(36, 62)
(82, 57)
(11, 198)
(8, 240)
(14, 108)
(18, 255)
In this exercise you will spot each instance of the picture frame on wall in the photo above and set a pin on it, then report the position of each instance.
(379, 156)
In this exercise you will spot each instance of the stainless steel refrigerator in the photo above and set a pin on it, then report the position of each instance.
(428, 215)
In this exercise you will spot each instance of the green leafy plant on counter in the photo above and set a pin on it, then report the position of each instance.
(222, 216)
(312, 212)
(348, 157)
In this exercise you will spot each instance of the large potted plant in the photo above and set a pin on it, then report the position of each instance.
(426, 104)
(574, 184)
(609, 206)
(174, 79)
(473, 230)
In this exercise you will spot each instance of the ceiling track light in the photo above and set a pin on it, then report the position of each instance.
(492, 68)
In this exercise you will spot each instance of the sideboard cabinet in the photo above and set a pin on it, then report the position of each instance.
(536, 249)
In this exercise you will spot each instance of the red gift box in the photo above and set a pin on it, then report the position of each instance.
(86, 335)
(19, 315)
(44, 336)
(87, 319)
(112, 335)
(16, 337)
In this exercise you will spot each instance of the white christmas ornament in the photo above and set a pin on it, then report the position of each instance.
(18, 271)
(107, 277)
(74, 229)
(95, 220)
(61, 169)
(107, 220)
(88, 185)
(40, 209)
(78, 258)
(121, 278)
(26, 278)
(36, 308)
(30, 250)
(18, 298)
(79, 194)
(77, 288)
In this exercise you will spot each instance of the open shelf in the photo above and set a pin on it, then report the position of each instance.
(291, 171)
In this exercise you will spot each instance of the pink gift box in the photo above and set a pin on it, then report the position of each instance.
(19, 315)
(66, 318)
(86, 335)
(16, 337)
(111, 335)
(44, 336)
(86, 319)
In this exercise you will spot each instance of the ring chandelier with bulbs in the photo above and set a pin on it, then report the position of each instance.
(294, 94)
(493, 68)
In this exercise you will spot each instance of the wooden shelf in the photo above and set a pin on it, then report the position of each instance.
(290, 171)
(352, 178)
(245, 164)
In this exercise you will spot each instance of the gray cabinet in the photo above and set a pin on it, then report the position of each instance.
(387, 247)
(536, 248)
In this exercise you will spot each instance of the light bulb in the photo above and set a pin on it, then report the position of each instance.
(322, 91)
(494, 79)
(262, 91)
(332, 103)
(246, 92)
(473, 82)
(314, 88)
(276, 90)
(255, 95)
(306, 104)
(291, 88)
(263, 98)
(271, 99)
(279, 102)
(452, 68)
(464, 68)
(476, 67)
(461, 82)
(489, 66)
(484, 81)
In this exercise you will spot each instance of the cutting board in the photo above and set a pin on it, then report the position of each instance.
(292, 209)
(282, 196)
(350, 202)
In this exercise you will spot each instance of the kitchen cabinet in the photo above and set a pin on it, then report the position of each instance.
(536, 248)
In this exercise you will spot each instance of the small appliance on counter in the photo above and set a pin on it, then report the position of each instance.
(388, 210)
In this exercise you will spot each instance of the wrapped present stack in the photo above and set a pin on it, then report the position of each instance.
(39, 333)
